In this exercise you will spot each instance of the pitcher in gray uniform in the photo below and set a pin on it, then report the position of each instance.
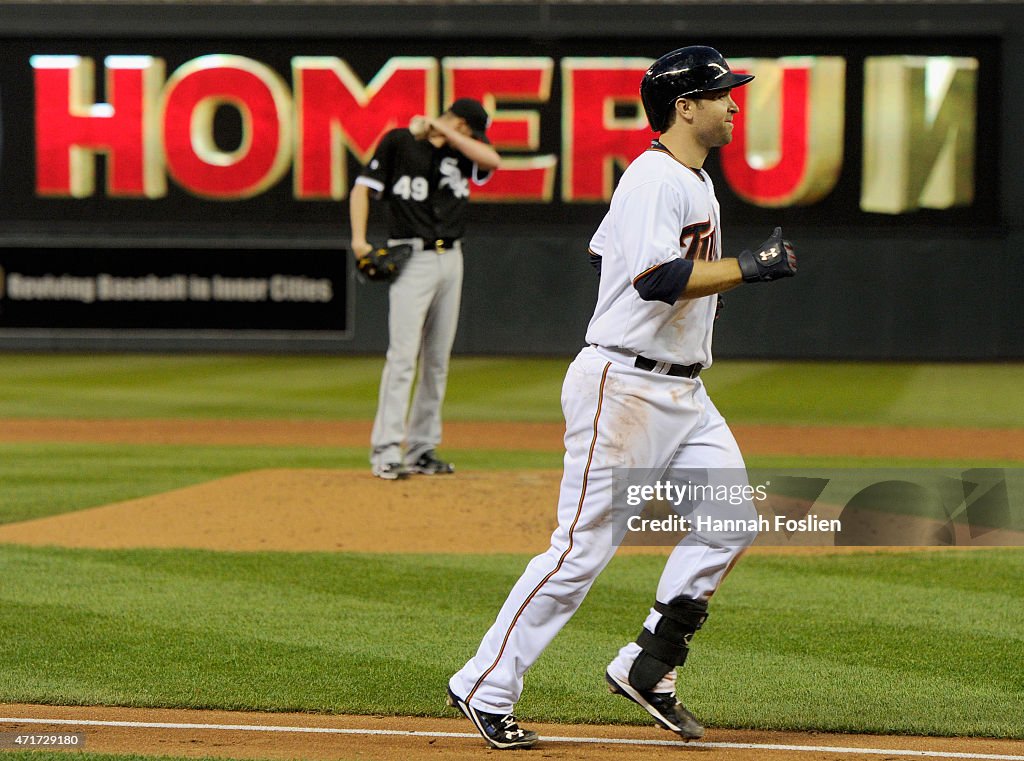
(424, 172)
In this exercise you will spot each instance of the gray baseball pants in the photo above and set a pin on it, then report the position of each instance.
(423, 315)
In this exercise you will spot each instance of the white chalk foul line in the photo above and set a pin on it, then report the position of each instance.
(545, 738)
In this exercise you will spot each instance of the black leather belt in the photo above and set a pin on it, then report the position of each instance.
(679, 371)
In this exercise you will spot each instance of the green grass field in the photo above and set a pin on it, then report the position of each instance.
(326, 388)
(835, 643)
(925, 643)
(62, 755)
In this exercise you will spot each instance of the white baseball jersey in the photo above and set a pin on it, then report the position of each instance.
(621, 417)
(660, 211)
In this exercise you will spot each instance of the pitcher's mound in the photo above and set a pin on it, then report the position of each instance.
(321, 510)
(307, 510)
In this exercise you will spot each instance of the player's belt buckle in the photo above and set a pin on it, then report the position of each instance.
(441, 245)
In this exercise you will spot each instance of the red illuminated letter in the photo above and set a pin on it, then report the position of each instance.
(336, 111)
(71, 127)
(523, 80)
(787, 146)
(192, 97)
(594, 136)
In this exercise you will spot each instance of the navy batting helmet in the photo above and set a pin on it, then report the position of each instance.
(684, 73)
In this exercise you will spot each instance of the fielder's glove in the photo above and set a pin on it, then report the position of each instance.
(771, 260)
(384, 263)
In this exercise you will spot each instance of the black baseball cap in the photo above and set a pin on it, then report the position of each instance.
(475, 115)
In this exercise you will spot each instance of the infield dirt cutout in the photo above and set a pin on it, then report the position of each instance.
(345, 510)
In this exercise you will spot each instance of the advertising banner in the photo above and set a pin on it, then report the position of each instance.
(135, 140)
(264, 291)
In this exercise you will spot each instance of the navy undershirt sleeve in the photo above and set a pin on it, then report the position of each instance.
(665, 283)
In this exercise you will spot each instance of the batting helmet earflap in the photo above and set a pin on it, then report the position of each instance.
(684, 73)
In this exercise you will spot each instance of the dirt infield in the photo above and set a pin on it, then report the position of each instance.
(837, 441)
(289, 510)
(238, 735)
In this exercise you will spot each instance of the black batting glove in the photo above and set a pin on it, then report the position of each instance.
(771, 260)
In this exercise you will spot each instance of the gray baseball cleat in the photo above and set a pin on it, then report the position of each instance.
(502, 731)
(389, 471)
(666, 709)
(429, 465)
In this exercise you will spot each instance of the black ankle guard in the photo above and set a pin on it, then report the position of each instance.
(669, 645)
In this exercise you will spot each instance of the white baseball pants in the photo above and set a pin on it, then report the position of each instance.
(617, 416)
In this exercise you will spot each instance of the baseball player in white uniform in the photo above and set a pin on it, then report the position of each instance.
(633, 399)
